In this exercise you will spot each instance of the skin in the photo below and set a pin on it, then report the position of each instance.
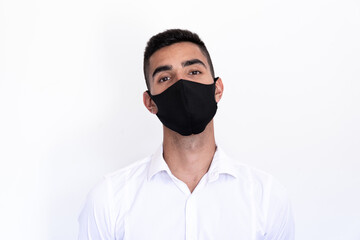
(188, 157)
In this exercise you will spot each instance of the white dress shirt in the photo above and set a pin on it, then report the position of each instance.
(145, 201)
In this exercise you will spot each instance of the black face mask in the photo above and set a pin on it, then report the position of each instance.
(186, 107)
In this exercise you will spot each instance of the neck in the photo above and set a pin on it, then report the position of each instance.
(189, 157)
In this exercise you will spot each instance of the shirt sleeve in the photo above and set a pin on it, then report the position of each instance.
(280, 222)
(95, 220)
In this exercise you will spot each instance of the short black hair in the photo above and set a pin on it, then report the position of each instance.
(168, 38)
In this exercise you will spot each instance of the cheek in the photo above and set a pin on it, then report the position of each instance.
(159, 87)
(208, 79)
(204, 78)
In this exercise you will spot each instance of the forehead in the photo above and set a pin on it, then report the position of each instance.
(175, 54)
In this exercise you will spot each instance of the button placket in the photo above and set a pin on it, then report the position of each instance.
(191, 218)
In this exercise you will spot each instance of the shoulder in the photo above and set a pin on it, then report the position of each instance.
(131, 169)
(250, 175)
(271, 200)
(131, 173)
(266, 189)
(100, 211)
(113, 184)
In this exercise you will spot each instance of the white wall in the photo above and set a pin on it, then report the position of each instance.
(71, 102)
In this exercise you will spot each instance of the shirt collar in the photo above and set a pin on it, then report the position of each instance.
(157, 163)
(221, 164)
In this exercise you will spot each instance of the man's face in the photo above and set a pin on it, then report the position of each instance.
(182, 60)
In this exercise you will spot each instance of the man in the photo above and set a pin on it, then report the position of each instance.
(189, 189)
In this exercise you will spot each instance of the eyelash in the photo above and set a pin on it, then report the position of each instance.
(191, 73)
(198, 72)
(161, 79)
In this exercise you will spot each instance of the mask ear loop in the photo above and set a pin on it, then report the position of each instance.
(215, 79)
(148, 92)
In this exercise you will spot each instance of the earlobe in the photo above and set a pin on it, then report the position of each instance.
(149, 103)
(219, 89)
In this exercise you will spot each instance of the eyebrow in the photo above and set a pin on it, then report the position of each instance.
(192, 61)
(161, 69)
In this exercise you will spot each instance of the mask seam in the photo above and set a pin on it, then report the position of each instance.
(185, 100)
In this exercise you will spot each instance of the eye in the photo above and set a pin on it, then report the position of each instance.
(164, 79)
(196, 72)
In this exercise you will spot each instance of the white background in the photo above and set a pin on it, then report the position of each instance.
(71, 108)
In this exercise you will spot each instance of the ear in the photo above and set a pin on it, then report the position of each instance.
(149, 103)
(219, 89)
